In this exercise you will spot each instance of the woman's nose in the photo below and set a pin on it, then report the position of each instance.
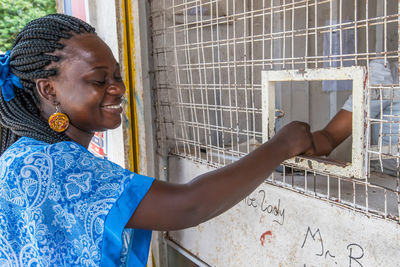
(117, 88)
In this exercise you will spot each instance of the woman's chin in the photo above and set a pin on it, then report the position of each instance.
(112, 126)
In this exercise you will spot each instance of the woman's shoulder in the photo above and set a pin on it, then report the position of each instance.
(26, 147)
(65, 155)
(65, 163)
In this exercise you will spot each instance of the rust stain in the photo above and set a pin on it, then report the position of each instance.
(309, 164)
(262, 238)
(302, 71)
(365, 80)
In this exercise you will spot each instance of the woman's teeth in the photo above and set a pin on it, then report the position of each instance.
(113, 106)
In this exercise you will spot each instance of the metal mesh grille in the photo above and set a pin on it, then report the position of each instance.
(208, 57)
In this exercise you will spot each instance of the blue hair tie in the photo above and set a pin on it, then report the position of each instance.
(7, 78)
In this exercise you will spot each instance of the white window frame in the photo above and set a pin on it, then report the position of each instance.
(357, 168)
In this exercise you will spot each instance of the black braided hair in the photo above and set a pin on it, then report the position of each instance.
(30, 54)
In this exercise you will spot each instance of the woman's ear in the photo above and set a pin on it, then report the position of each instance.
(46, 90)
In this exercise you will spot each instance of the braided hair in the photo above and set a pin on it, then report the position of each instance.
(30, 54)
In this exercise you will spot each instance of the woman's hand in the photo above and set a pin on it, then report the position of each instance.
(295, 138)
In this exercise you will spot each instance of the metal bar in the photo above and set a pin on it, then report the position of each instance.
(185, 252)
(398, 71)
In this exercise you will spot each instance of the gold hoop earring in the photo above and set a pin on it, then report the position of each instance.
(58, 122)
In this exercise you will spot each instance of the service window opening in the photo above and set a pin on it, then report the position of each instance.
(312, 102)
(298, 95)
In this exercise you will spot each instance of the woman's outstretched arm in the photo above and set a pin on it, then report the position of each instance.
(176, 206)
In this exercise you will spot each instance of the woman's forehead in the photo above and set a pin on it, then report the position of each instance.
(87, 48)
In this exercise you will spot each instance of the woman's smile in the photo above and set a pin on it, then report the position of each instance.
(113, 108)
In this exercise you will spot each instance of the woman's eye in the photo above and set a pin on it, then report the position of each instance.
(99, 82)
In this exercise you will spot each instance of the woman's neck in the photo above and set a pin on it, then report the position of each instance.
(79, 136)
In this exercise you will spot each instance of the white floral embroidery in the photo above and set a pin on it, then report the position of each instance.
(77, 183)
(63, 218)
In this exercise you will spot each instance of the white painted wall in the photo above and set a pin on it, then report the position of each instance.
(278, 227)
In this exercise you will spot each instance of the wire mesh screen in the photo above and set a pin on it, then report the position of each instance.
(208, 58)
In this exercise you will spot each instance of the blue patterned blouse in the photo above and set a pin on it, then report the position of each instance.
(62, 206)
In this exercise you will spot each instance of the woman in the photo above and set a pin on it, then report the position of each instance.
(60, 205)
